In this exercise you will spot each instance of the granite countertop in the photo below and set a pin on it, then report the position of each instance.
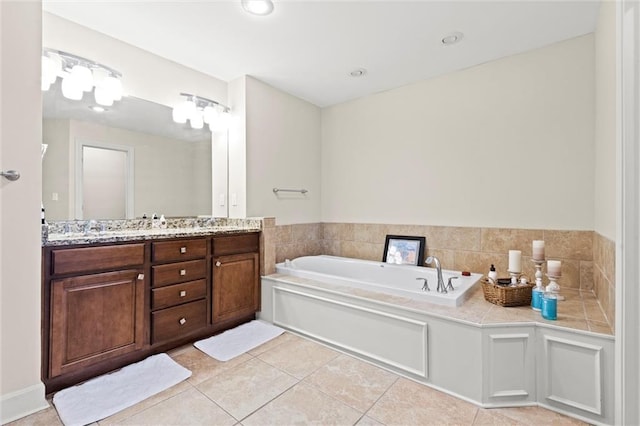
(579, 311)
(65, 233)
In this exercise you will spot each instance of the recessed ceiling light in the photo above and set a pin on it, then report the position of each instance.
(96, 108)
(452, 38)
(360, 72)
(258, 7)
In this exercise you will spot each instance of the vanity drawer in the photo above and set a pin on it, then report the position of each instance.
(232, 244)
(179, 272)
(176, 294)
(167, 251)
(180, 320)
(68, 261)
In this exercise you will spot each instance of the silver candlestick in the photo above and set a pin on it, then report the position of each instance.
(538, 265)
(514, 278)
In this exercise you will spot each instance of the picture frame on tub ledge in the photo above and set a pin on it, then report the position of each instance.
(404, 250)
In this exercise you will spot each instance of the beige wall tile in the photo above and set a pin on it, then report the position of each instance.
(407, 230)
(576, 245)
(570, 274)
(447, 258)
(283, 234)
(268, 222)
(501, 240)
(268, 249)
(305, 232)
(453, 237)
(586, 275)
(331, 247)
(359, 250)
(480, 263)
(370, 233)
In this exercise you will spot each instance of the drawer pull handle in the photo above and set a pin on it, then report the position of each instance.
(183, 250)
(182, 321)
(183, 293)
(183, 272)
(218, 264)
(141, 276)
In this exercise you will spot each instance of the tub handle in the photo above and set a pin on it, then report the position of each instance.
(425, 286)
(449, 285)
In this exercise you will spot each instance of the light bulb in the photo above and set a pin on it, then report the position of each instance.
(103, 96)
(71, 89)
(54, 67)
(222, 122)
(83, 77)
(209, 114)
(196, 121)
(100, 76)
(114, 86)
(178, 114)
(189, 107)
(258, 7)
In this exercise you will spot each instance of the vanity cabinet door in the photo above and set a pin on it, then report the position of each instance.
(236, 286)
(94, 318)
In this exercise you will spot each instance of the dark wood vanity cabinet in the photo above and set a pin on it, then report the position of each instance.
(96, 302)
(236, 277)
(107, 305)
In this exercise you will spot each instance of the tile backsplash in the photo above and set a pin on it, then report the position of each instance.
(587, 258)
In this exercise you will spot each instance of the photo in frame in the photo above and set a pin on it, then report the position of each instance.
(404, 250)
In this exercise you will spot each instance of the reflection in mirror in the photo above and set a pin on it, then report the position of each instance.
(165, 168)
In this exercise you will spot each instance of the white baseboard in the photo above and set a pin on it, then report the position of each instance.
(23, 402)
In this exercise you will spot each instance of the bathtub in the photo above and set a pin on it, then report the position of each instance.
(400, 280)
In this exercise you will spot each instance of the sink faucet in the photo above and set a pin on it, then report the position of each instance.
(441, 287)
(89, 226)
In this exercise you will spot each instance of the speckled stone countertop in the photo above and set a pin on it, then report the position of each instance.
(63, 233)
(579, 311)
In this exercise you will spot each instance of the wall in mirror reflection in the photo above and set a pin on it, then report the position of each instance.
(170, 176)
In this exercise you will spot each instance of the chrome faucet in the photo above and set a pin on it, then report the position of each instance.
(91, 224)
(441, 287)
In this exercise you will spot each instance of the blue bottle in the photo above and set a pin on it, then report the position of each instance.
(549, 306)
(536, 298)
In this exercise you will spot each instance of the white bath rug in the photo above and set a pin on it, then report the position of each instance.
(239, 340)
(106, 395)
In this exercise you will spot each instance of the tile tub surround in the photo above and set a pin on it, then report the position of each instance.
(337, 389)
(604, 274)
(588, 259)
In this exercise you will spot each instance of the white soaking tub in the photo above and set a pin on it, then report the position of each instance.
(401, 280)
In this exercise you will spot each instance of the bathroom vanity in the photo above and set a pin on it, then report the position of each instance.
(107, 304)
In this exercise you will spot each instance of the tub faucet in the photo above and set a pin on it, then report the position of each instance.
(441, 287)
(89, 226)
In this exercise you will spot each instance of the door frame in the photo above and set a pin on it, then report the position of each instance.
(129, 190)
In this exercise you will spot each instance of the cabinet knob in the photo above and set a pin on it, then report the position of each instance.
(182, 321)
(183, 293)
(218, 264)
(183, 272)
(183, 250)
(141, 276)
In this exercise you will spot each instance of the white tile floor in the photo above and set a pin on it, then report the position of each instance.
(291, 380)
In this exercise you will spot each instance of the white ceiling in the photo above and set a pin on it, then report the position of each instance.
(308, 48)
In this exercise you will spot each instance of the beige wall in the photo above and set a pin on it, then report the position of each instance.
(283, 150)
(172, 177)
(508, 143)
(21, 390)
(605, 124)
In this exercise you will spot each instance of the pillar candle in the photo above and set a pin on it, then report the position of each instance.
(538, 250)
(515, 261)
(553, 268)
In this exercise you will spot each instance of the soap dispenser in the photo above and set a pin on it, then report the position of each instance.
(163, 222)
(492, 273)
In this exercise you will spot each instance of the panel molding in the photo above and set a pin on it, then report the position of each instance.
(421, 326)
(494, 339)
(549, 343)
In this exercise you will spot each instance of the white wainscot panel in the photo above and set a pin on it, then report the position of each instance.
(510, 366)
(391, 339)
(573, 373)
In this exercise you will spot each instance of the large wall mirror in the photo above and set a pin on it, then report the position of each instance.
(125, 162)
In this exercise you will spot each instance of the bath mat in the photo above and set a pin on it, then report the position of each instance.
(106, 395)
(239, 340)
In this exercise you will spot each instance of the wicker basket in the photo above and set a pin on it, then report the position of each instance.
(507, 296)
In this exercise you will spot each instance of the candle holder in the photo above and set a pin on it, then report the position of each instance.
(538, 265)
(553, 286)
(515, 276)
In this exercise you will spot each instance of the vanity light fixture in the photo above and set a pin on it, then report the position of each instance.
(258, 7)
(199, 110)
(80, 75)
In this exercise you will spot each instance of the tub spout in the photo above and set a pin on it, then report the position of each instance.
(441, 286)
